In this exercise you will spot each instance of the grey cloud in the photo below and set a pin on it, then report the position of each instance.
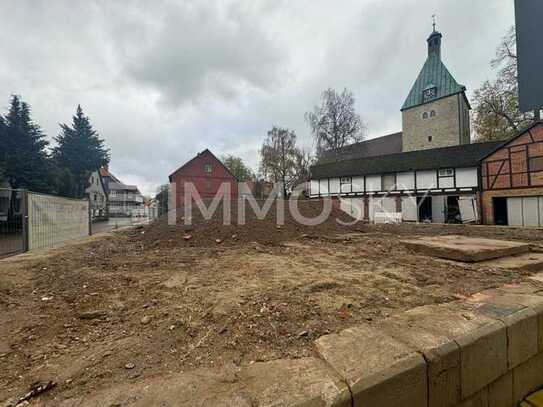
(162, 80)
(198, 49)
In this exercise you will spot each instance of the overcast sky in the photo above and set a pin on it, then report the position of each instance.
(162, 80)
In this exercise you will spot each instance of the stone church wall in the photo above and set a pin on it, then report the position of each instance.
(441, 130)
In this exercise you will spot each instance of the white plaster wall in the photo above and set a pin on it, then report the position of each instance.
(314, 187)
(373, 183)
(334, 186)
(466, 177)
(346, 188)
(358, 184)
(324, 186)
(426, 180)
(405, 181)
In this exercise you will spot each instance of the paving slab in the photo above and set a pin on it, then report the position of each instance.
(465, 249)
(521, 262)
(302, 382)
(305, 382)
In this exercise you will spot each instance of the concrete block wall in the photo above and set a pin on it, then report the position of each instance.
(485, 351)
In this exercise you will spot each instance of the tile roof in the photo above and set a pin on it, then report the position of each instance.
(467, 155)
(388, 144)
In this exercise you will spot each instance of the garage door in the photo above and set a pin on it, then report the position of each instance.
(410, 209)
(525, 211)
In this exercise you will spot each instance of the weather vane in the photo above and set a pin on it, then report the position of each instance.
(434, 21)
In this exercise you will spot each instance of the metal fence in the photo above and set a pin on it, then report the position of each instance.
(30, 220)
(53, 220)
(12, 221)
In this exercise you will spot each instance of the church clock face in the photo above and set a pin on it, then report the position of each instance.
(429, 94)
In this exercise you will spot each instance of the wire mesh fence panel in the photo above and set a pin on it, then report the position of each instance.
(53, 220)
(12, 231)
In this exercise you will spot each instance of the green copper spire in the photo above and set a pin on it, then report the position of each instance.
(434, 80)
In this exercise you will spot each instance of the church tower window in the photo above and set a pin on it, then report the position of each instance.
(433, 113)
(425, 115)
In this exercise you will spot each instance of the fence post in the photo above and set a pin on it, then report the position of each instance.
(90, 216)
(24, 203)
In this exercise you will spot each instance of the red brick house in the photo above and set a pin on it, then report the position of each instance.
(207, 173)
(512, 181)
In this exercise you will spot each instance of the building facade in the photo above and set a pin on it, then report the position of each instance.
(207, 176)
(430, 172)
(512, 181)
(436, 111)
(438, 185)
(123, 200)
(97, 197)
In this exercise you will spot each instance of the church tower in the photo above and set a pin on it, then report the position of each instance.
(436, 111)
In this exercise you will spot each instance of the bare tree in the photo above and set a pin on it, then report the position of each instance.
(496, 106)
(302, 162)
(335, 123)
(278, 157)
(237, 167)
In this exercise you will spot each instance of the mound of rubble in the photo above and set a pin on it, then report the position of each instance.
(197, 230)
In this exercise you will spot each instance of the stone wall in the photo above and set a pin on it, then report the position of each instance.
(444, 127)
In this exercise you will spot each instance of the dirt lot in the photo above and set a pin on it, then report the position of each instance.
(151, 301)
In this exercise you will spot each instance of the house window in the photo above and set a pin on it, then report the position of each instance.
(208, 168)
(345, 180)
(429, 139)
(536, 164)
(446, 172)
(425, 115)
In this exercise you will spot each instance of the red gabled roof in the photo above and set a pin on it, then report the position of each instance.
(197, 156)
(519, 133)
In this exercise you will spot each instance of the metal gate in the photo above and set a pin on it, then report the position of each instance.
(12, 221)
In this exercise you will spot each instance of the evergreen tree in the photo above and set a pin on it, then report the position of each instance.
(79, 152)
(3, 140)
(23, 157)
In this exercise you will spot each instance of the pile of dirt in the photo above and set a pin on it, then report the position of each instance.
(280, 223)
